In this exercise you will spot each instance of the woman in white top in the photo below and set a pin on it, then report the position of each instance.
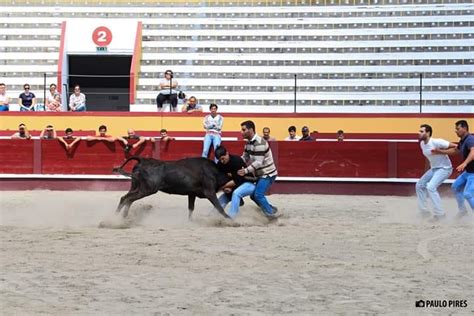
(77, 100)
(167, 92)
(440, 169)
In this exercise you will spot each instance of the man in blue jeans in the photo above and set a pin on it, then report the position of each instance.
(258, 157)
(238, 187)
(440, 169)
(463, 186)
(213, 126)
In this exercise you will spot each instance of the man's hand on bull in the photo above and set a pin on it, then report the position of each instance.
(241, 172)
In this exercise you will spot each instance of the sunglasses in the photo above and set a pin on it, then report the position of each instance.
(27, 88)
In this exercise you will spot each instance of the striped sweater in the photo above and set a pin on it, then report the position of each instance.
(259, 158)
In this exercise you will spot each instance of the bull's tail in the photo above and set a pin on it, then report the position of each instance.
(123, 172)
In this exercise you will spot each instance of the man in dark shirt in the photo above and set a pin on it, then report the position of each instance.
(306, 137)
(463, 186)
(238, 187)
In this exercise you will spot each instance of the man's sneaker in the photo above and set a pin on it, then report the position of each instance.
(276, 213)
(437, 218)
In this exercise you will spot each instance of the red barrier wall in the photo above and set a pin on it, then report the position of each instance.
(294, 159)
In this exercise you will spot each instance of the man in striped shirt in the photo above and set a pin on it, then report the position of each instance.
(259, 160)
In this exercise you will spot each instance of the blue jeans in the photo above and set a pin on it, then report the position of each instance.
(430, 182)
(210, 139)
(243, 190)
(25, 109)
(262, 186)
(463, 188)
(81, 108)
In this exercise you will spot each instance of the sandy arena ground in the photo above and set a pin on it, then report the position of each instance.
(327, 255)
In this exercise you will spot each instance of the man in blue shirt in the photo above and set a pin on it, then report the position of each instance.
(463, 186)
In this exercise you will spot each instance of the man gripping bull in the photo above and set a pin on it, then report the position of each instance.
(258, 156)
(237, 188)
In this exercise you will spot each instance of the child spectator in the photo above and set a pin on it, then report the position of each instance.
(50, 97)
(54, 105)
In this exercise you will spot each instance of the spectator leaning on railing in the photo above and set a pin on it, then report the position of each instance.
(191, 106)
(48, 133)
(102, 135)
(131, 135)
(22, 132)
(69, 140)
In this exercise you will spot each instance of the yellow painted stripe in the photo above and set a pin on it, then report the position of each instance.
(443, 127)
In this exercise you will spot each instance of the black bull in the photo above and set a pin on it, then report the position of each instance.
(194, 177)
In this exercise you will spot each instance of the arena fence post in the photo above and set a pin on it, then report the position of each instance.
(44, 91)
(421, 92)
(294, 101)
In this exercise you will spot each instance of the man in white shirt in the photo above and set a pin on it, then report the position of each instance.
(213, 126)
(292, 134)
(440, 170)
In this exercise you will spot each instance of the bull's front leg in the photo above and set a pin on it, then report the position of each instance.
(191, 200)
(121, 204)
(215, 201)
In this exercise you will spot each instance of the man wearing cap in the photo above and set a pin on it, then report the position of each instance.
(306, 137)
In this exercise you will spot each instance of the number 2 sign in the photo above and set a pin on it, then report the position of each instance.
(102, 36)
